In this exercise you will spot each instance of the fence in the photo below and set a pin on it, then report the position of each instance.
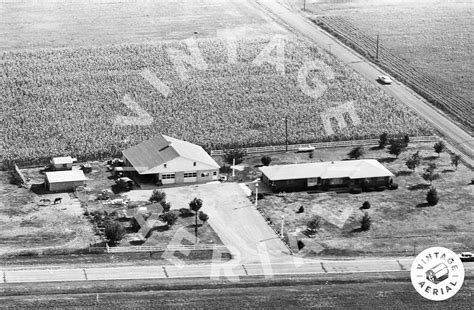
(172, 248)
(321, 145)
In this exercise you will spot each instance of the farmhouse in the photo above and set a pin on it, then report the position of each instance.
(63, 181)
(168, 161)
(367, 173)
(62, 163)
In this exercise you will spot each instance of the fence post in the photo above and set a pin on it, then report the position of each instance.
(107, 247)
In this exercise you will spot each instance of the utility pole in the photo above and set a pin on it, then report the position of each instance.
(304, 5)
(286, 134)
(377, 49)
(282, 223)
(256, 194)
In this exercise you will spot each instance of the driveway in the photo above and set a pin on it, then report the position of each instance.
(233, 217)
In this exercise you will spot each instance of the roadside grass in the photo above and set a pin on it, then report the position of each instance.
(402, 223)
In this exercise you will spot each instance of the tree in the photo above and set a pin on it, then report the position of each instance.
(439, 147)
(383, 140)
(413, 161)
(406, 140)
(235, 153)
(430, 173)
(314, 224)
(114, 231)
(195, 205)
(365, 222)
(396, 147)
(455, 158)
(432, 197)
(157, 196)
(266, 160)
(356, 152)
(203, 216)
(366, 205)
(166, 206)
(169, 217)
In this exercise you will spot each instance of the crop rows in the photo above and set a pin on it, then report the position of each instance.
(65, 101)
(434, 90)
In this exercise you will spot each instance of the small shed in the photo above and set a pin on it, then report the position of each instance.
(63, 181)
(62, 163)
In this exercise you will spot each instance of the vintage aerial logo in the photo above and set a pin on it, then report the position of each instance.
(437, 273)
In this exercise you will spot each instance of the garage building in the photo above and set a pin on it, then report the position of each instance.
(365, 173)
(64, 181)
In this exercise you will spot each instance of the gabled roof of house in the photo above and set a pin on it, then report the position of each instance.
(353, 169)
(148, 156)
(65, 176)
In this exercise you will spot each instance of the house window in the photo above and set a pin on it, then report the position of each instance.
(205, 174)
(190, 175)
(164, 165)
(214, 173)
(194, 163)
(64, 165)
(167, 176)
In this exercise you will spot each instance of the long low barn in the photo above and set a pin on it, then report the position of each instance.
(326, 175)
(63, 181)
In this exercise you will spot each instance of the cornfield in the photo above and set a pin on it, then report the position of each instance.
(64, 101)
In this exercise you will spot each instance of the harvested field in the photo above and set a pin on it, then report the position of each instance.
(434, 89)
(52, 23)
(72, 101)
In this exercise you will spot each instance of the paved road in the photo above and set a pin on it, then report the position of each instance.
(296, 20)
(231, 270)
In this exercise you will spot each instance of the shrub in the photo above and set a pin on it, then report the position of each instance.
(365, 222)
(393, 186)
(266, 160)
(169, 217)
(396, 147)
(383, 140)
(166, 206)
(366, 205)
(314, 224)
(203, 216)
(114, 231)
(406, 140)
(455, 158)
(432, 197)
(235, 153)
(157, 196)
(439, 147)
(356, 152)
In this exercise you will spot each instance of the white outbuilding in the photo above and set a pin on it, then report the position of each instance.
(63, 181)
(62, 163)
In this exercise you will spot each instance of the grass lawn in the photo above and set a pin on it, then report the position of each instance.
(401, 220)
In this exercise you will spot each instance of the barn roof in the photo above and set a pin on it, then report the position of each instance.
(353, 169)
(150, 155)
(65, 176)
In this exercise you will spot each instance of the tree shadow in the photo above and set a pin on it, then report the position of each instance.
(447, 170)
(430, 157)
(403, 173)
(258, 166)
(423, 205)
(193, 225)
(387, 159)
(419, 186)
(376, 148)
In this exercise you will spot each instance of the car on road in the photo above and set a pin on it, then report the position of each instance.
(307, 148)
(466, 257)
(384, 79)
